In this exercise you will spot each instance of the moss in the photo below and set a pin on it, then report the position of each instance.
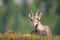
(18, 36)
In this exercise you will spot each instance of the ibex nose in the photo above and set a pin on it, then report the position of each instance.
(34, 24)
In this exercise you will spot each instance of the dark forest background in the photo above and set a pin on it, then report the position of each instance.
(14, 15)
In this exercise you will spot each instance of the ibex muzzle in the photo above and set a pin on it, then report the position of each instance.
(35, 19)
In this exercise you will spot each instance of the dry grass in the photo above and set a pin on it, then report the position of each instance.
(18, 36)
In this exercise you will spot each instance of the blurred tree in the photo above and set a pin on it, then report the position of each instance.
(5, 1)
(1, 2)
(48, 6)
(57, 28)
(15, 24)
(37, 3)
(58, 9)
(4, 16)
(24, 8)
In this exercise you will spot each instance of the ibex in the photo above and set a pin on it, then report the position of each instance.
(39, 28)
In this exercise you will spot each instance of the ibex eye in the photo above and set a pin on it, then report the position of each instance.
(37, 19)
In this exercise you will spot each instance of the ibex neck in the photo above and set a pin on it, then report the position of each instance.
(40, 24)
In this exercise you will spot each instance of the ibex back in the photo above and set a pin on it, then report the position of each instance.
(35, 19)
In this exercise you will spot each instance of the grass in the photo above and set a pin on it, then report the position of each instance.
(18, 36)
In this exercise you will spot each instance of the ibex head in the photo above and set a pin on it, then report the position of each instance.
(35, 17)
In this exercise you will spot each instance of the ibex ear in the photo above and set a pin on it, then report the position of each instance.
(30, 14)
(38, 12)
(39, 16)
